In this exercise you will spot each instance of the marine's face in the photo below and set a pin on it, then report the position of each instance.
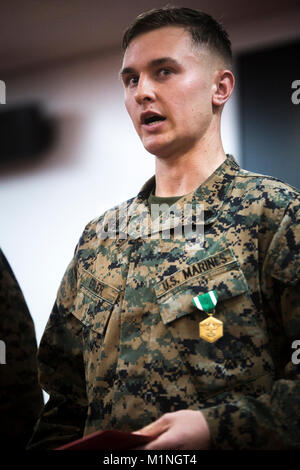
(168, 90)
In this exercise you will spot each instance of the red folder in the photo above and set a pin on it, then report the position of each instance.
(108, 440)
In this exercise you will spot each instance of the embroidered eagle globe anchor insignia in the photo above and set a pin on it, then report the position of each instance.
(210, 329)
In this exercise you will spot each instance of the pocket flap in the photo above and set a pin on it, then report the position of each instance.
(94, 301)
(179, 302)
(98, 288)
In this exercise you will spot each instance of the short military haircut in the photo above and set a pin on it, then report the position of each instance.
(203, 28)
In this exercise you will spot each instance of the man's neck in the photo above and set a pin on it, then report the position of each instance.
(185, 173)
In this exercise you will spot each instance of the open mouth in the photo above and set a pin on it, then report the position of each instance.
(152, 119)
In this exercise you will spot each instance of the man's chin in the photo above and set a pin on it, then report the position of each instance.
(159, 149)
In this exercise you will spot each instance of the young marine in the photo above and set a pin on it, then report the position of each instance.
(187, 341)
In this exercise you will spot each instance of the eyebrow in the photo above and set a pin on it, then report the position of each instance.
(152, 63)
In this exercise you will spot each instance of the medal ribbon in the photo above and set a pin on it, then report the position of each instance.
(206, 302)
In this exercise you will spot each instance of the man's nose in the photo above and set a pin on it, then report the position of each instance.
(144, 90)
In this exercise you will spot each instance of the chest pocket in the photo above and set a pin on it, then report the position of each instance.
(240, 355)
(94, 302)
(228, 282)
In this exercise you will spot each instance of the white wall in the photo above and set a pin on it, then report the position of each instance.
(97, 163)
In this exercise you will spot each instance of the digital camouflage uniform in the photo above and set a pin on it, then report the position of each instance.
(122, 344)
(21, 398)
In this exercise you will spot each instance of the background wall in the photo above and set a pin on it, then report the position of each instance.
(270, 116)
(97, 160)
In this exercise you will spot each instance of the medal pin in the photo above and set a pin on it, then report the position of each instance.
(210, 329)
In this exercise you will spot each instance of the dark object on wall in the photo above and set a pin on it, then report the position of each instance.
(25, 133)
(270, 115)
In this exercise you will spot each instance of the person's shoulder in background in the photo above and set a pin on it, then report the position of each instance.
(21, 398)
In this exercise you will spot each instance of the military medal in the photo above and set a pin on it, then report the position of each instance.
(211, 328)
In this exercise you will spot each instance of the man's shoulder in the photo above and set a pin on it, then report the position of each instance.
(259, 186)
(108, 220)
(120, 208)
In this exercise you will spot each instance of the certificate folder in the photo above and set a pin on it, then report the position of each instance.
(108, 440)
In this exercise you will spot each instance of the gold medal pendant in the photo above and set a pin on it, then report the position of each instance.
(211, 329)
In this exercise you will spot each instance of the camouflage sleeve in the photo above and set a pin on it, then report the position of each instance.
(271, 421)
(61, 372)
(21, 397)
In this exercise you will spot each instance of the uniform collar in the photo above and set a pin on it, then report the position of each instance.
(211, 194)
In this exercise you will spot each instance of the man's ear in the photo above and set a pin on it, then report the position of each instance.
(223, 87)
